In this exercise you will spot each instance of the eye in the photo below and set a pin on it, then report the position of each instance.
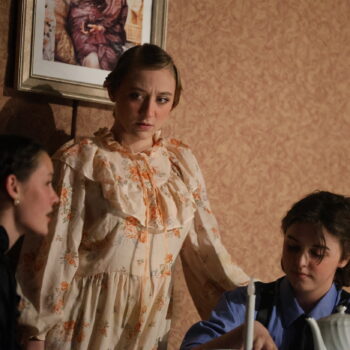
(135, 96)
(163, 100)
(316, 253)
(292, 248)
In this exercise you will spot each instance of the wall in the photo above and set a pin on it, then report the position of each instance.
(266, 109)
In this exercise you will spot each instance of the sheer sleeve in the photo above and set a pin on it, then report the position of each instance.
(208, 268)
(47, 266)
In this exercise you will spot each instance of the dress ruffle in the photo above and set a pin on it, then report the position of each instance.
(145, 186)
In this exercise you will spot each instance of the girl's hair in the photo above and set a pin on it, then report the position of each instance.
(18, 156)
(146, 56)
(327, 211)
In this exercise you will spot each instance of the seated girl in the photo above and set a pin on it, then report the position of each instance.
(315, 259)
(26, 201)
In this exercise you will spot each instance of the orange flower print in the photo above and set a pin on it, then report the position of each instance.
(68, 325)
(64, 286)
(164, 270)
(72, 150)
(134, 173)
(64, 195)
(208, 210)
(131, 221)
(168, 258)
(57, 308)
(143, 308)
(80, 337)
(103, 329)
(68, 216)
(197, 194)
(159, 303)
(70, 259)
(101, 162)
(177, 143)
(215, 231)
(154, 212)
(145, 175)
(142, 236)
(176, 232)
(117, 178)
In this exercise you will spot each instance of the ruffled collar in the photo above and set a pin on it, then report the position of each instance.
(108, 140)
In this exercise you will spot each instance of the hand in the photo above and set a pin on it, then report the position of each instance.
(95, 28)
(34, 345)
(262, 338)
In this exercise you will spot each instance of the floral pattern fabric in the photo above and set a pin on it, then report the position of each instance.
(102, 279)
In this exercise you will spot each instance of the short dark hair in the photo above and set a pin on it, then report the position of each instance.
(148, 56)
(18, 156)
(329, 211)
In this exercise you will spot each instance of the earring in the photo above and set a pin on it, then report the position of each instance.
(16, 202)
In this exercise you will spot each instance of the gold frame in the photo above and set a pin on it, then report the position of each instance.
(27, 81)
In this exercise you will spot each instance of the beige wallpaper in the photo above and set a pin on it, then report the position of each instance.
(266, 108)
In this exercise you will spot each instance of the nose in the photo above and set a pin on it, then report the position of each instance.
(302, 259)
(149, 107)
(54, 197)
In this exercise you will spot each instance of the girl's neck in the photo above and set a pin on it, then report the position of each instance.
(131, 142)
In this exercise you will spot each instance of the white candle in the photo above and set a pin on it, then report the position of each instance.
(249, 316)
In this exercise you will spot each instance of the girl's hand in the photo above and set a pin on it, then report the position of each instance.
(262, 338)
(34, 345)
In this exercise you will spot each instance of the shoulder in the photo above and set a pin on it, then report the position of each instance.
(181, 153)
(236, 296)
(89, 156)
(176, 146)
(76, 149)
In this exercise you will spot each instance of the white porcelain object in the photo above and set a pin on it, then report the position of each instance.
(332, 332)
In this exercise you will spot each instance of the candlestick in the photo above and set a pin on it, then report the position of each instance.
(249, 316)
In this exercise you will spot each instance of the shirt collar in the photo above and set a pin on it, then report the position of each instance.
(291, 309)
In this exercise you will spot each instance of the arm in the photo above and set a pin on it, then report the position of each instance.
(234, 339)
(207, 265)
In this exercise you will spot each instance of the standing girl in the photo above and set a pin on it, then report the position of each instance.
(131, 202)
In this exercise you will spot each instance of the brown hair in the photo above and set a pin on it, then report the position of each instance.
(327, 211)
(146, 56)
(18, 156)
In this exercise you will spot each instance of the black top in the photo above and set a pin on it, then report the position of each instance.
(8, 298)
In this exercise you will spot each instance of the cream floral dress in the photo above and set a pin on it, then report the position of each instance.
(102, 279)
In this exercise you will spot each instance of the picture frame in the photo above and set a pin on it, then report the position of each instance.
(35, 73)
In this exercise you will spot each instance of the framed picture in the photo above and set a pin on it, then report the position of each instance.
(67, 47)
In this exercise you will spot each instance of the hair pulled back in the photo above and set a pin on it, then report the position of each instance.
(146, 56)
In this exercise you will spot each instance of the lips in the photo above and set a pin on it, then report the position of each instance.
(144, 125)
(301, 275)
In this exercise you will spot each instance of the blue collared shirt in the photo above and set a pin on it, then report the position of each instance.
(230, 313)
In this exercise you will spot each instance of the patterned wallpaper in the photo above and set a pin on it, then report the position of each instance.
(266, 109)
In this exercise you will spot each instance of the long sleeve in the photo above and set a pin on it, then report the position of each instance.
(48, 266)
(228, 314)
(208, 268)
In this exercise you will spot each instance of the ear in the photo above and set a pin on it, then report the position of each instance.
(343, 262)
(12, 186)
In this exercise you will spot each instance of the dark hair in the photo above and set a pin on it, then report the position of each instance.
(329, 211)
(146, 56)
(18, 156)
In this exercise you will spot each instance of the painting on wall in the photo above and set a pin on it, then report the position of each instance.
(67, 47)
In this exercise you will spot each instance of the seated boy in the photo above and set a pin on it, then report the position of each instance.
(315, 259)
